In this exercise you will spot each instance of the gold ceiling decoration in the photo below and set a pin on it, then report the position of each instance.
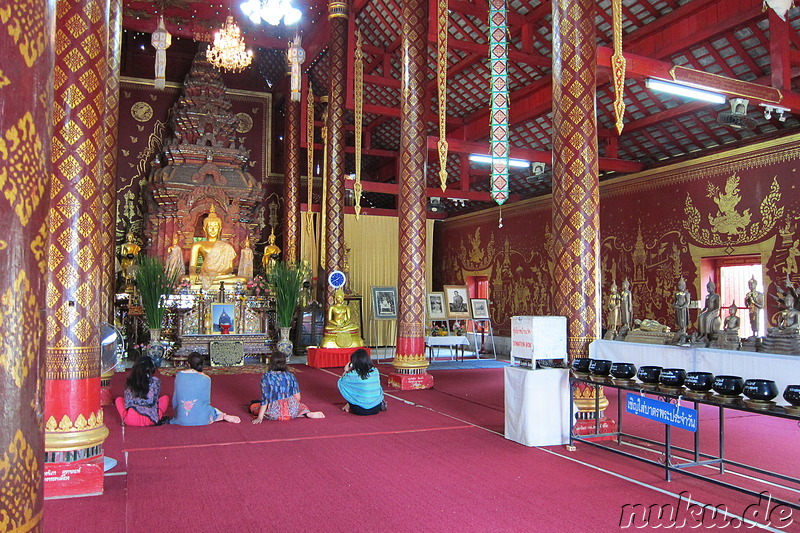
(618, 65)
(228, 51)
(442, 21)
(358, 95)
(310, 157)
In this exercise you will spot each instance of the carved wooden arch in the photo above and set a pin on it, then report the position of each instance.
(209, 169)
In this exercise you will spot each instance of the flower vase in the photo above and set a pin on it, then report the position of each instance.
(154, 348)
(285, 345)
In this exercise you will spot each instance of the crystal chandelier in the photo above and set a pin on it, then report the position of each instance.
(271, 11)
(228, 50)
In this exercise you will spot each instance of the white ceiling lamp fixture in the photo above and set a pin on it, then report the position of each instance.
(685, 90)
(228, 51)
(780, 112)
(737, 117)
(480, 158)
(272, 12)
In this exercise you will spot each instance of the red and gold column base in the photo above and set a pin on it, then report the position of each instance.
(70, 474)
(404, 381)
(586, 424)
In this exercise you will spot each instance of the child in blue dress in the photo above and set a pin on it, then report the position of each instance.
(192, 397)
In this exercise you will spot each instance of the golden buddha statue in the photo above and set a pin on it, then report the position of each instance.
(246, 261)
(271, 253)
(340, 331)
(128, 252)
(217, 255)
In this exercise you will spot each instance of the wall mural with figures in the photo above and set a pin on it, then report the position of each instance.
(655, 227)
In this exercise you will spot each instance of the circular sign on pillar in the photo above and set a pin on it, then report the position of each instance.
(337, 279)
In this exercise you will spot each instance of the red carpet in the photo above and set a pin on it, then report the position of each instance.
(422, 465)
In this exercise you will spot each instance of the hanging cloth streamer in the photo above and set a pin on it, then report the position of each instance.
(618, 66)
(443, 19)
(310, 159)
(498, 60)
(358, 96)
(161, 40)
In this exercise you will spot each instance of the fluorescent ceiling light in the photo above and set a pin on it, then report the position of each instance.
(480, 158)
(684, 90)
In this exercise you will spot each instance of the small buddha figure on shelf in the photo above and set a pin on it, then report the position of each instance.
(271, 253)
(626, 304)
(732, 321)
(789, 317)
(755, 303)
(681, 306)
(613, 305)
(246, 261)
(128, 252)
(217, 255)
(340, 331)
(175, 258)
(708, 320)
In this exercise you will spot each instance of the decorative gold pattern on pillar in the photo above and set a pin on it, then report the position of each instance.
(108, 215)
(291, 184)
(358, 97)
(25, 168)
(618, 65)
(333, 230)
(442, 21)
(310, 159)
(74, 245)
(575, 173)
(411, 200)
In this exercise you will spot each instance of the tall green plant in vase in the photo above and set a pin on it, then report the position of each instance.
(154, 282)
(286, 278)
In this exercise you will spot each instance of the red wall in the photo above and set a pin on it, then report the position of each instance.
(655, 227)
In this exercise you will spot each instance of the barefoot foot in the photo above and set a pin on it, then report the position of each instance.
(233, 419)
(315, 414)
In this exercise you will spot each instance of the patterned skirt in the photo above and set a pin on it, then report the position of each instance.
(284, 409)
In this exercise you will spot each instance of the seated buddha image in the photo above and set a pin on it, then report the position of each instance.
(217, 256)
(340, 330)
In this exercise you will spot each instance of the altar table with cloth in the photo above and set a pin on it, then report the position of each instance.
(782, 369)
(330, 357)
(452, 341)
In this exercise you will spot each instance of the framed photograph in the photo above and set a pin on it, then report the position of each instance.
(436, 309)
(384, 302)
(223, 318)
(480, 308)
(456, 300)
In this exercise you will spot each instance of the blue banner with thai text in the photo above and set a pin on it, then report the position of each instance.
(664, 412)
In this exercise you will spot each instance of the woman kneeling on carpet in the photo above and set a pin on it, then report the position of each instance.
(280, 394)
(192, 398)
(361, 386)
(141, 404)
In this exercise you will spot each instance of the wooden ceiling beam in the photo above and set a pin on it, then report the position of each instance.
(449, 194)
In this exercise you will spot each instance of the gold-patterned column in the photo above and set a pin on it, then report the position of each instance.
(25, 130)
(409, 361)
(74, 428)
(108, 188)
(291, 183)
(576, 207)
(337, 84)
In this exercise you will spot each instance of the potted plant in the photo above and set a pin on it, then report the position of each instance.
(286, 279)
(154, 282)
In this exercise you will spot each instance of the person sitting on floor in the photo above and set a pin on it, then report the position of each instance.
(192, 398)
(280, 394)
(361, 386)
(141, 403)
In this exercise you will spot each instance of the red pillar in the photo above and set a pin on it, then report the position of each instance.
(409, 362)
(25, 131)
(73, 418)
(291, 183)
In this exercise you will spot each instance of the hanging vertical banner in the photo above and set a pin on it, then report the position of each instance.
(618, 65)
(358, 95)
(442, 21)
(310, 158)
(498, 62)
(295, 55)
(161, 40)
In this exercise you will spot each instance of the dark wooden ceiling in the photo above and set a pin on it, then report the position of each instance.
(733, 39)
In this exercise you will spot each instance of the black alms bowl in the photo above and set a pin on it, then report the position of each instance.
(672, 377)
(623, 370)
(600, 367)
(792, 395)
(762, 390)
(649, 374)
(580, 365)
(699, 381)
(728, 385)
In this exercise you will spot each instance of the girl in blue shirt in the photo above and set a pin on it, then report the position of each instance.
(280, 394)
(361, 386)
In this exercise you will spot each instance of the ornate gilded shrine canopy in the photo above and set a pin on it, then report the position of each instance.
(727, 41)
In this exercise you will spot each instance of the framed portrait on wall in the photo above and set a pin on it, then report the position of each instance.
(480, 308)
(456, 301)
(436, 307)
(384, 302)
(223, 318)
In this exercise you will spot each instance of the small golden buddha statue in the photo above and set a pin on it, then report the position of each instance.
(340, 331)
(217, 255)
(128, 252)
(246, 261)
(271, 253)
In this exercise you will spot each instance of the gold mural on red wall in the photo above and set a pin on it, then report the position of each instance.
(728, 220)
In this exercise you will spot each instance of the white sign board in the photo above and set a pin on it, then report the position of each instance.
(538, 337)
